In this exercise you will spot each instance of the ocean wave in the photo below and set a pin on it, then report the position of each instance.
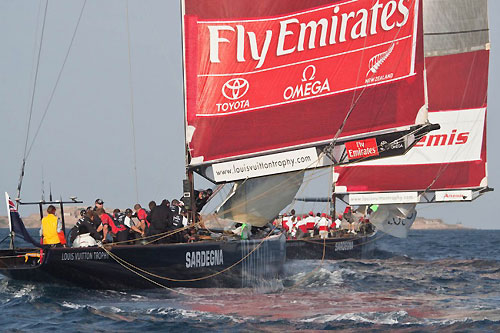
(389, 318)
(193, 315)
(318, 277)
(72, 305)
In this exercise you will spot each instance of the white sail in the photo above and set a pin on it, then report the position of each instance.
(259, 200)
(394, 220)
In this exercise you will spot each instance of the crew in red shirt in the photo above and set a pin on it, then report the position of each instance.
(108, 223)
(141, 215)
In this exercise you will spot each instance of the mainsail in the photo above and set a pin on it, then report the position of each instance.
(270, 84)
(276, 87)
(449, 164)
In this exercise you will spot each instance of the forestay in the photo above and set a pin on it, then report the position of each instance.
(449, 164)
(271, 77)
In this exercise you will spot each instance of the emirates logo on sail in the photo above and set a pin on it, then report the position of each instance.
(361, 149)
(332, 25)
(444, 139)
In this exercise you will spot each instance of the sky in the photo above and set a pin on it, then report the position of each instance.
(85, 144)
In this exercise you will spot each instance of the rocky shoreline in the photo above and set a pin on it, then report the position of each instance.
(422, 223)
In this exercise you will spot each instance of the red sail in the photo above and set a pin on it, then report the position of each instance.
(449, 162)
(271, 75)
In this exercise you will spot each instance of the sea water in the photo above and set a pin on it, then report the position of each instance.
(434, 280)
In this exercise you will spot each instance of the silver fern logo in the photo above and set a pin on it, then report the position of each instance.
(378, 60)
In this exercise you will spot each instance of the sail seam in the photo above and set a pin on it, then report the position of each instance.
(455, 32)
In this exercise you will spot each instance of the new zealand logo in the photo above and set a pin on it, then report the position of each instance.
(378, 60)
(235, 88)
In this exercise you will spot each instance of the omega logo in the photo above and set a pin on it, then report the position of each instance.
(309, 87)
(306, 70)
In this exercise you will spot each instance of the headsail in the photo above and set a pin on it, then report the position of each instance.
(449, 164)
(287, 77)
(395, 220)
(258, 201)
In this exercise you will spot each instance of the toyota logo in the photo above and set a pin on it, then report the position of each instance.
(235, 88)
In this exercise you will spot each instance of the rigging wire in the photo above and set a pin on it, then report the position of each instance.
(58, 79)
(23, 165)
(28, 151)
(34, 57)
(132, 106)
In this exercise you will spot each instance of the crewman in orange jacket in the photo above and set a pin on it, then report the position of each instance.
(51, 227)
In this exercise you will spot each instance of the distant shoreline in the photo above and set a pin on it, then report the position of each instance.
(422, 223)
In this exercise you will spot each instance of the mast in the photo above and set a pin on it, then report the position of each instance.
(188, 182)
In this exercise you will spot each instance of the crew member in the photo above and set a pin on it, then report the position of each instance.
(202, 198)
(291, 223)
(284, 223)
(292, 220)
(108, 224)
(120, 230)
(142, 217)
(161, 218)
(323, 225)
(152, 205)
(177, 220)
(310, 223)
(350, 219)
(84, 233)
(50, 228)
(134, 230)
(301, 227)
(98, 204)
(97, 219)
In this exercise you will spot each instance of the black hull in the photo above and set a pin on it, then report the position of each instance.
(201, 264)
(346, 247)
